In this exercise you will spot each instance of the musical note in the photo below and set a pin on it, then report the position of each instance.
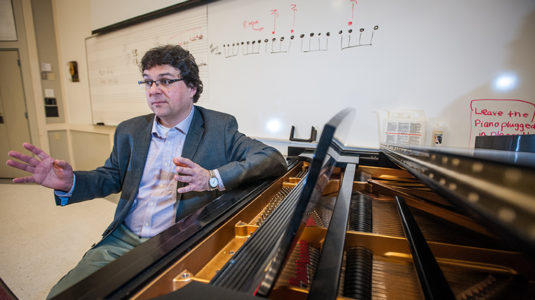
(251, 47)
(316, 42)
(360, 42)
(280, 46)
(231, 50)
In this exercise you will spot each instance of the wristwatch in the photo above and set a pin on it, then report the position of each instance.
(213, 182)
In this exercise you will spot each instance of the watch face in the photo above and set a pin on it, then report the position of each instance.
(213, 182)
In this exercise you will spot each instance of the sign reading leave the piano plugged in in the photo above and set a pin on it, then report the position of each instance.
(501, 117)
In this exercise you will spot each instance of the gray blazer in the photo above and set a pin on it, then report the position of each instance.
(213, 141)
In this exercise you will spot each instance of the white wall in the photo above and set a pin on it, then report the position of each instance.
(121, 10)
(26, 45)
(73, 25)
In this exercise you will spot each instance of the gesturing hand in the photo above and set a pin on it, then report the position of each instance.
(191, 173)
(46, 171)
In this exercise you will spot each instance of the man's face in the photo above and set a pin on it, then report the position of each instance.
(173, 103)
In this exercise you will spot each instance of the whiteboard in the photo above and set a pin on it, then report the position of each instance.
(113, 62)
(377, 56)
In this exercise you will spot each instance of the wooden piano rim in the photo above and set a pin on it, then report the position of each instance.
(216, 240)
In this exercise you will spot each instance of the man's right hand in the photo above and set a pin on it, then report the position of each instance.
(46, 171)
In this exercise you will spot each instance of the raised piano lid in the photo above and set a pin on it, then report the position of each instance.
(261, 266)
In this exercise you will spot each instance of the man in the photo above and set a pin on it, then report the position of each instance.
(166, 164)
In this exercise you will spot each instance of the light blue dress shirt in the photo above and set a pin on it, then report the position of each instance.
(154, 208)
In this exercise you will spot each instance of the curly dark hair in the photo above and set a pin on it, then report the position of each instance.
(179, 58)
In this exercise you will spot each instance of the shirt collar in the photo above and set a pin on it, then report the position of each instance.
(161, 131)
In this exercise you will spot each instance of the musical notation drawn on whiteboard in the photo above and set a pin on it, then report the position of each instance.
(113, 61)
(293, 7)
(367, 41)
(306, 43)
(189, 36)
(275, 14)
(133, 56)
(253, 24)
(311, 42)
(316, 42)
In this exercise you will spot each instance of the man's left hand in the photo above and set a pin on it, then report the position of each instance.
(195, 176)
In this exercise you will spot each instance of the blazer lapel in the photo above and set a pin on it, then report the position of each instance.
(140, 150)
(193, 139)
(194, 136)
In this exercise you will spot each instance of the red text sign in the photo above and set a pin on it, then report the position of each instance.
(501, 117)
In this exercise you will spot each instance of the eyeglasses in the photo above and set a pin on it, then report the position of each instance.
(165, 83)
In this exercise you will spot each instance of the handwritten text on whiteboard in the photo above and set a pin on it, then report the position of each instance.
(501, 117)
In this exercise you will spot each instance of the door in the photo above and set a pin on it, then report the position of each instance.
(14, 129)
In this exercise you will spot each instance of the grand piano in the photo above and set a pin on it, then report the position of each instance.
(348, 223)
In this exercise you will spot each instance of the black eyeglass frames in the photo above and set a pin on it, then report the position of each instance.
(165, 83)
